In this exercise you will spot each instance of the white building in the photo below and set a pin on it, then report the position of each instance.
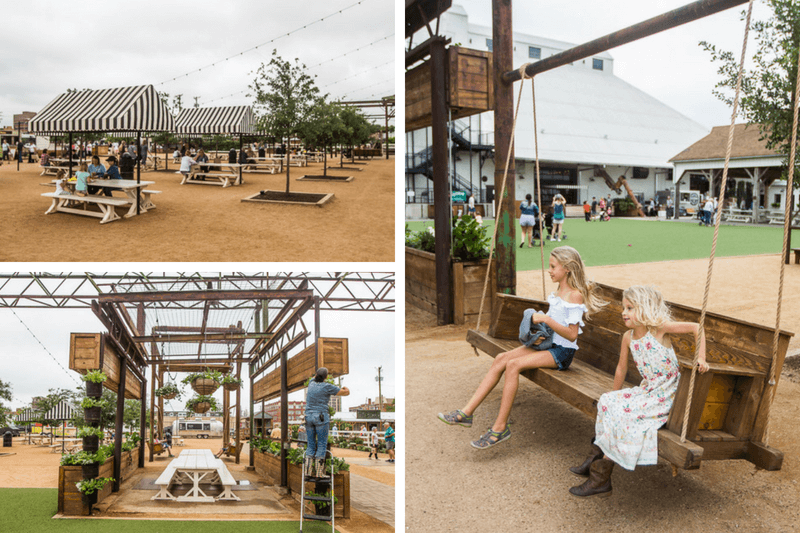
(589, 121)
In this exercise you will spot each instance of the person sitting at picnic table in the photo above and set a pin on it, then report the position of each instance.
(242, 157)
(232, 156)
(97, 171)
(61, 183)
(186, 165)
(82, 180)
(231, 444)
(202, 158)
(45, 161)
(176, 155)
(262, 152)
(166, 445)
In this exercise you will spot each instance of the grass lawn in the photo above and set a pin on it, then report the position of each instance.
(31, 510)
(624, 241)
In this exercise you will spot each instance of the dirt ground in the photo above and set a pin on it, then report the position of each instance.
(37, 467)
(208, 223)
(522, 484)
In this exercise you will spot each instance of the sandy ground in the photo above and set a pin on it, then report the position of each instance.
(37, 467)
(522, 484)
(208, 223)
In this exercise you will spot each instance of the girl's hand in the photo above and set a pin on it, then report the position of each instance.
(702, 366)
(539, 318)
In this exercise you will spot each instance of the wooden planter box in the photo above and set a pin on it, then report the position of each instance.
(269, 467)
(70, 502)
(333, 355)
(467, 278)
(92, 351)
(470, 87)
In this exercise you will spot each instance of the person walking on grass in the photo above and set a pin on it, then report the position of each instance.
(528, 219)
(559, 213)
(628, 420)
(574, 297)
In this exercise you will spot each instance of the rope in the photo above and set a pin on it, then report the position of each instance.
(502, 193)
(538, 185)
(721, 202)
(787, 224)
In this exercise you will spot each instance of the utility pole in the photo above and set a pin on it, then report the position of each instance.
(380, 396)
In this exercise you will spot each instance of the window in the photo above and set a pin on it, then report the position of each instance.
(489, 44)
(597, 64)
(534, 52)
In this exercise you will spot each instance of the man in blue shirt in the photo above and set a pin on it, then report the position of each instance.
(318, 420)
(389, 438)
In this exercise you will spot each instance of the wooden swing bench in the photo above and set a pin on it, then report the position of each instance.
(156, 448)
(231, 451)
(728, 415)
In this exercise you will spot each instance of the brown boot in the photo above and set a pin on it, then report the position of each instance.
(583, 470)
(599, 482)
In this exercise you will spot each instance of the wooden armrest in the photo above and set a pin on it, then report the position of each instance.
(722, 368)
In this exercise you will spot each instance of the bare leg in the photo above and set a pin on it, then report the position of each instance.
(493, 376)
(513, 369)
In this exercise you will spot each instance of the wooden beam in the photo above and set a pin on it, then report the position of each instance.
(171, 296)
(201, 337)
(764, 456)
(686, 455)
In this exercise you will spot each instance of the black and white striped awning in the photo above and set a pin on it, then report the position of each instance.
(63, 411)
(27, 415)
(216, 120)
(106, 110)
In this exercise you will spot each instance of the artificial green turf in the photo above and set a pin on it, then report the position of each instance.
(624, 241)
(31, 511)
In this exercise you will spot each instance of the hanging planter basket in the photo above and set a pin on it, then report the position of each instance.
(91, 444)
(91, 471)
(94, 390)
(204, 386)
(92, 415)
(202, 407)
(170, 396)
(230, 386)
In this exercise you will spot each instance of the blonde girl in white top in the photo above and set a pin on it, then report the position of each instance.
(574, 297)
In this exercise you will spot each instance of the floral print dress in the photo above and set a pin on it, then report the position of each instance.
(628, 419)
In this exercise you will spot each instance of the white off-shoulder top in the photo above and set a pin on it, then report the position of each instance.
(566, 314)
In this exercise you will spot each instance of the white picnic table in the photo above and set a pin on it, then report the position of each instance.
(196, 466)
(225, 174)
(132, 189)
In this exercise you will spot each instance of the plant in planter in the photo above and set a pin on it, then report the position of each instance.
(169, 391)
(90, 487)
(230, 382)
(77, 459)
(91, 438)
(204, 383)
(424, 240)
(94, 382)
(470, 241)
(322, 507)
(92, 409)
(201, 404)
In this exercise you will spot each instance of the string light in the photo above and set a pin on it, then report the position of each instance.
(72, 377)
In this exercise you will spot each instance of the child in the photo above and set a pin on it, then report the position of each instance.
(61, 184)
(528, 219)
(373, 443)
(574, 297)
(558, 216)
(628, 420)
(83, 178)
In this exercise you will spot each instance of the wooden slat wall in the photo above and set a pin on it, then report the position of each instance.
(421, 279)
(88, 351)
(418, 97)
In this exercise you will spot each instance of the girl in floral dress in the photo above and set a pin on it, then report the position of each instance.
(574, 297)
(628, 419)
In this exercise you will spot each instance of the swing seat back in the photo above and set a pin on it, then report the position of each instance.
(728, 414)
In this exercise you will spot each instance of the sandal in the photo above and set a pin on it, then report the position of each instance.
(457, 417)
(490, 438)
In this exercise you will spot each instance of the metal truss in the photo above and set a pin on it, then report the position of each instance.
(338, 291)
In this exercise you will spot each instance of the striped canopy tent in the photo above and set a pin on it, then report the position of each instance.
(63, 411)
(229, 120)
(122, 111)
(27, 415)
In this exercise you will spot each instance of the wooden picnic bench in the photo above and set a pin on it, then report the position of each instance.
(227, 175)
(195, 466)
(61, 203)
(367, 152)
(728, 413)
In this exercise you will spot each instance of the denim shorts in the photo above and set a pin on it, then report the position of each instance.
(562, 356)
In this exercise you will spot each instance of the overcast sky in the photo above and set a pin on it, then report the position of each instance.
(48, 46)
(33, 368)
(669, 66)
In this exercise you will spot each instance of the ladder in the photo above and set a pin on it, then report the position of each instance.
(321, 485)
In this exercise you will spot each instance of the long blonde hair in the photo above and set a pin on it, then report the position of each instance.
(570, 259)
(648, 304)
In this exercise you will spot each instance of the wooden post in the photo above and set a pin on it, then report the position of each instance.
(123, 371)
(152, 409)
(143, 422)
(502, 56)
(284, 421)
(238, 411)
(441, 190)
(252, 422)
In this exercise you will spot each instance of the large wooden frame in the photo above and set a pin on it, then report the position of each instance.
(333, 355)
(94, 351)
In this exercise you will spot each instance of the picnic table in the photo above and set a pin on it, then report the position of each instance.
(66, 203)
(263, 164)
(739, 215)
(225, 174)
(196, 466)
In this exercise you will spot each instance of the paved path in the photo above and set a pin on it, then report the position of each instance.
(372, 498)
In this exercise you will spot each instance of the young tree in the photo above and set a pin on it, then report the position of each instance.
(43, 404)
(322, 129)
(357, 128)
(285, 96)
(5, 394)
(767, 94)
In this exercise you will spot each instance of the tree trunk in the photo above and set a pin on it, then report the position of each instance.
(287, 165)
